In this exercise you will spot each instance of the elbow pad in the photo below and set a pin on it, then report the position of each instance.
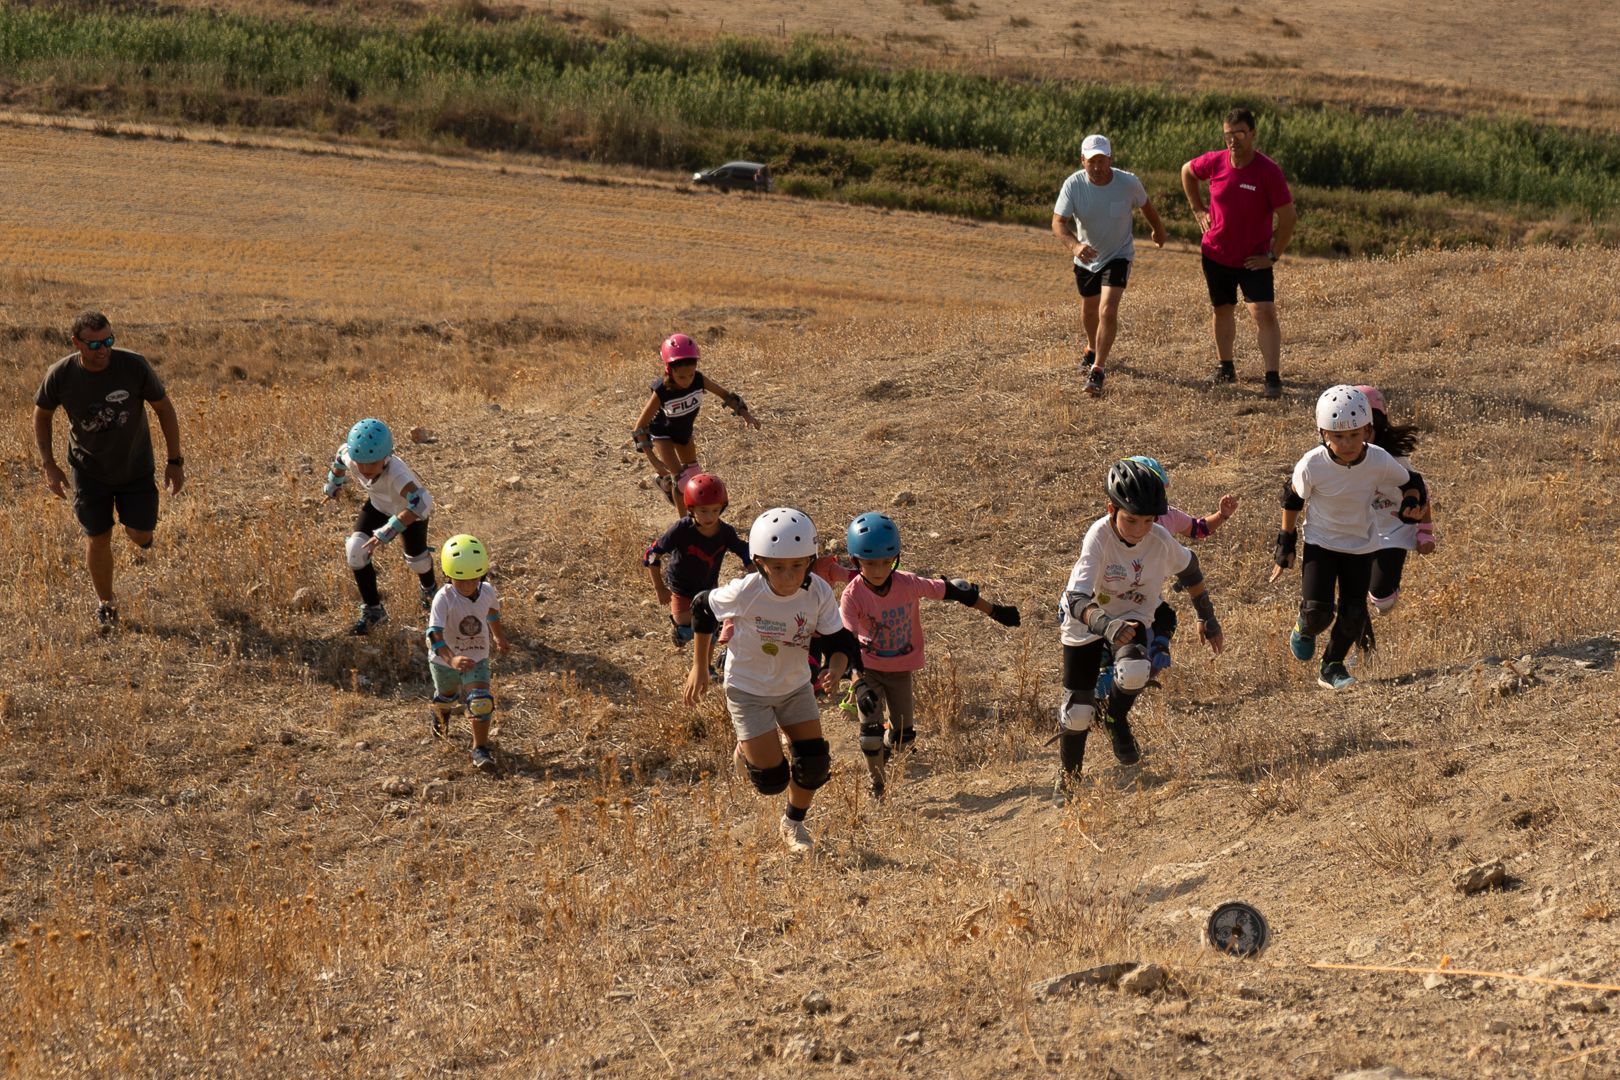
(963, 592)
(420, 503)
(840, 641)
(1290, 498)
(1191, 576)
(652, 557)
(703, 618)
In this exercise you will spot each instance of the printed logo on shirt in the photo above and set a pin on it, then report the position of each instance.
(1125, 583)
(891, 633)
(1248, 187)
(698, 553)
(117, 397)
(683, 405)
(470, 626)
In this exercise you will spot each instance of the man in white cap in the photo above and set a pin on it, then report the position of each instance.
(1093, 219)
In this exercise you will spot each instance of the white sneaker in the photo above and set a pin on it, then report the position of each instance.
(796, 836)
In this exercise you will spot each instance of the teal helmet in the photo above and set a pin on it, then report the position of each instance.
(370, 440)
(873, 536)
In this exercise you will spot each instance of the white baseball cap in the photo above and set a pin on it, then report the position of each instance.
(1094, 145)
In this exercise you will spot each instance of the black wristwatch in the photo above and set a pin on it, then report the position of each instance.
(180, 461)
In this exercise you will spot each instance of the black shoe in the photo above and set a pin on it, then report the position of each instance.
(1125, 748)
(1273, 388)
(1224, 374)
(370, 615)
(482, 759)
(106, 618)
(427, 596)
(1094, 382)
(1087, 360)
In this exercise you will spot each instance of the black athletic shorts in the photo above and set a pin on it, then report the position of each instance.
(1225, 281)
(94, 503)
(1113, 274)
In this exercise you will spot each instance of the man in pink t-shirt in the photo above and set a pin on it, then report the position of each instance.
(1246, 191)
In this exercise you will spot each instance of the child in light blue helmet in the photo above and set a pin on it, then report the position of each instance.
(396, 506)
(880, 607)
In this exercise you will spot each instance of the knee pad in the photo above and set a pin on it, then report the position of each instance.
(812, 763)
(1132, 668)
(1382, 605)
(446, 705)
(481, 703)
(421, 562)
(871, 737)
(1314, 617)
(355, 550)
(1077, 712)
(771, 781)
(686, 473)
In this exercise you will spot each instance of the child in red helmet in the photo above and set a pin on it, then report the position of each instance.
(664, 429)
(695, 546)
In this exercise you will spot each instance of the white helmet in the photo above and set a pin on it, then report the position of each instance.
(1342, 408)
(782, 533)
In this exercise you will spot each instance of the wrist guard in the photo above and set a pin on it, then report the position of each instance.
(1287, 542)
(736, 404)
(642, 437)
(334, 481)
(963, 592)
(1005, 614)
(390, 529)
(1206, 614)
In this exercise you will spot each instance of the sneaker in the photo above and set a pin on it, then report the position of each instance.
(1125, 748)
(1273, 387)
(795, 836)
(106, 618)
(482, 758)
(426, 594)
(1303, 646)
(1094, 382)
(370, 615)
(1224, 374)
(1334, 676)
(681, 635)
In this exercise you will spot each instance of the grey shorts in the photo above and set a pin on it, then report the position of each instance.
(753, 715)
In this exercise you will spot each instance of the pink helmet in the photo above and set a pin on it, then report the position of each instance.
(1375, 397)
(677, 347)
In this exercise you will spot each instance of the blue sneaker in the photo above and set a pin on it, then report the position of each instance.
(1303, 646)
(1334, 676)
(1159, 653)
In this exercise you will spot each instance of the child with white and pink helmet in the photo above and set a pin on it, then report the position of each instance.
(1396, 535)
(664, 429)
(1335, 486)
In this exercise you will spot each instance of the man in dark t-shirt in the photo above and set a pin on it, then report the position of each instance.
(104, 392)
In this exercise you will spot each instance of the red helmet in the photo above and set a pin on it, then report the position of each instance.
(677, 347)
(704, 490)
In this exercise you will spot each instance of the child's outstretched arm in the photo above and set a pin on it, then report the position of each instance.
(965, 592)
(1288, 538)
(417, 506)
(652, 559)
(732, 401)
(704, 624)
(1228, 507)
(337, 474)
(1209, 628)
(641, 436)
(497, 631)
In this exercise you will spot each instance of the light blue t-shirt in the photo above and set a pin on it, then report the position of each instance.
(1102, 215)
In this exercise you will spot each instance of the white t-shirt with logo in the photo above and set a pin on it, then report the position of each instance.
(1339, 498)
(464, 620)
(769, 653)
(1102, 215)
(386, 492)
(1126, 580)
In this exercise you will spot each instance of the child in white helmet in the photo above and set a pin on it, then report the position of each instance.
(880, 607)
(1108, 605)
(775, 614)
(1335, 486)
(465, 620)
(397, 505)
(1184, 525)
(664, 430)
(1396, 537)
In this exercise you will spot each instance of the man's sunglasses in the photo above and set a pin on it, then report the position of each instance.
(104, 343)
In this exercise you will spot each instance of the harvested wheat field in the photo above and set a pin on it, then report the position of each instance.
(230, 846)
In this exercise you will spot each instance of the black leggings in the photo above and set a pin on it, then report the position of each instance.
(414, 539)
(1386, 573)
(1321, 569)
(1081, 663)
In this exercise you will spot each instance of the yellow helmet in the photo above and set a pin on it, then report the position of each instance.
(464, 558)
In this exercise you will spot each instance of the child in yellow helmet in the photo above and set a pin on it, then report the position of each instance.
(464, 621)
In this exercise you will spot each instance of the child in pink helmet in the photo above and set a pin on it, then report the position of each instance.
(1395, 535)
(664, 429)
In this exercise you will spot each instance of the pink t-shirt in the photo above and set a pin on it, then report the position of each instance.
(888, 626)
(1241, 202)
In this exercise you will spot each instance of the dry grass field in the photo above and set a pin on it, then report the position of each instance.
(201, 872)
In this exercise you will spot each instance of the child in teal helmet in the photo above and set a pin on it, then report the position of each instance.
(880, 607)
(397, 505)
(463, 623)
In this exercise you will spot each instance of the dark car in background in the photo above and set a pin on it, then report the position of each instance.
(736, 176)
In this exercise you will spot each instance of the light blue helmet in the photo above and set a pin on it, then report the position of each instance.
(873, 536)
(370, 440)
(1153, 463)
